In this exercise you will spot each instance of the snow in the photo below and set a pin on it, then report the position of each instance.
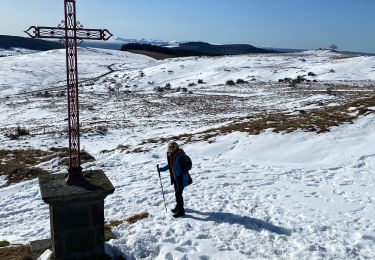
(15, 51)
(246, 206)
(47, 68)
(47, 255)
(2, 181)
(274, 195)
(215, 71)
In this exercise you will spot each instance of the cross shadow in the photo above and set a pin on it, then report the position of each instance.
(85, 184)
(246, 222)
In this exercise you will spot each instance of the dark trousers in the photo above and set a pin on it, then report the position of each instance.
(179, 198)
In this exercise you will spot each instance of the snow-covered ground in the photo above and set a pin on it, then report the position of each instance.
(274, 195)
(15, 51)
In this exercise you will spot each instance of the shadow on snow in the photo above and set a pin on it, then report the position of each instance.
(247, 222)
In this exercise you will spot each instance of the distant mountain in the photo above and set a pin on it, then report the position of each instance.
(192, 49)
(146, 41)
(159, 52)
(111, 45)
(225, 49)
(117, 43)
(7, 42)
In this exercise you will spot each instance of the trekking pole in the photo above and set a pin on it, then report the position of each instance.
(162, 190)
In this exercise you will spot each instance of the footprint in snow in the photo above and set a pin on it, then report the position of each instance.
(155, 156)
(187, 243)
(367, 237)
(181, 249)
(168, 256)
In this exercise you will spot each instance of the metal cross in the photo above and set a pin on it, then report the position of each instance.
(71, 32)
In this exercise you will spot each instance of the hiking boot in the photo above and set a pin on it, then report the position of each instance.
(174, 210)
(179, 213)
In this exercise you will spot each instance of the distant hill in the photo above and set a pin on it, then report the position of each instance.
(284, 50)
(192, 49)
(8, 42)
(225, 49)
(117, 43)
(159, 52)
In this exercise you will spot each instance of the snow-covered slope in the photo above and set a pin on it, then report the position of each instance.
(15, 51)
(327, 66)
(37, 71)
(298, 195)
(247, 200)
(43, 70)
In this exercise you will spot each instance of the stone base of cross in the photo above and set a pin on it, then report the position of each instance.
(76, 214)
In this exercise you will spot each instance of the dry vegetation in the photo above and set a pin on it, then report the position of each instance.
(314, 120)
(63, 153)
(136, 218)
(21, 165)
(108, 235)
(14, 252)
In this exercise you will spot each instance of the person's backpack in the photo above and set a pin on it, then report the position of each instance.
(186, 163)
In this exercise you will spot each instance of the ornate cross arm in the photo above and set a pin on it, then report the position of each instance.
(59, 33)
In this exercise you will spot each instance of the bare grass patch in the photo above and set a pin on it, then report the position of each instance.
(15, 252)
(21, 165)
(318, 120)
(136, 218)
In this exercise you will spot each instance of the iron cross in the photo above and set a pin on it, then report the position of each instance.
(71, 32)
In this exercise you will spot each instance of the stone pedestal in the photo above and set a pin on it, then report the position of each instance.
(77, 214)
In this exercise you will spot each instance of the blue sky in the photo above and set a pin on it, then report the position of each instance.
(350, 24)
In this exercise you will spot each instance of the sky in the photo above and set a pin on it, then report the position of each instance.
(301, 24)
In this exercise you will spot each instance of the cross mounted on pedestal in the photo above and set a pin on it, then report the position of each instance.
(71, 32)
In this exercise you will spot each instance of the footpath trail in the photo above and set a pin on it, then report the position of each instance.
(62, 87)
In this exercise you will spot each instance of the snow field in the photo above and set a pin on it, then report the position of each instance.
(253, 209)
(279, 196)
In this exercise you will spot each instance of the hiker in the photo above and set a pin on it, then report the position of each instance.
(178, 165)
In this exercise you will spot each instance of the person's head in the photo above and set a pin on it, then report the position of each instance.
(172, 147)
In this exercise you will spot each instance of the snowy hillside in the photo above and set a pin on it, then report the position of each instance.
(282, 168)
(15, 51)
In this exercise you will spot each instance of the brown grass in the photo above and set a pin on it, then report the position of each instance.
(126, 148)
(108, 235)
(4, 243)
(314, 120)
(119, 147)
(63, 153)
(115, 223)
(17, 252)
(20, 165)
(137, 218)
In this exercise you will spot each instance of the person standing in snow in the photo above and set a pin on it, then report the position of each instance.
(178, 165)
